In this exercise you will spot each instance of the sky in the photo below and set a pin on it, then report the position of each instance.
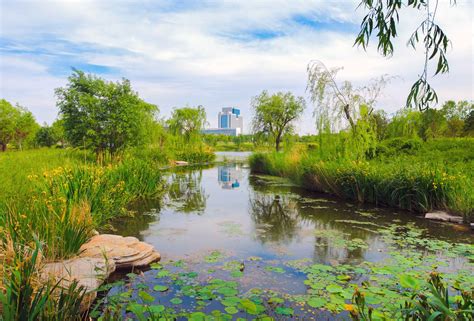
(214, 53)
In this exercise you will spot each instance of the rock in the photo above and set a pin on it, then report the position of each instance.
(443, 216)
(126, 252)
(87, 271)
(181, 163)
(97, 260)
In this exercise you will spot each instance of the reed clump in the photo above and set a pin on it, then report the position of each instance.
(408, 181)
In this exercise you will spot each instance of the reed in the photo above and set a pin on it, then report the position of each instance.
(410, 182)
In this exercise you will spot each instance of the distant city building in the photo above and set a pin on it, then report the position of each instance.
(229, 123)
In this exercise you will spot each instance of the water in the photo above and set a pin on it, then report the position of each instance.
(226, 209)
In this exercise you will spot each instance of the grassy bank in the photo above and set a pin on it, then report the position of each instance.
(410, 175)
(51, 202)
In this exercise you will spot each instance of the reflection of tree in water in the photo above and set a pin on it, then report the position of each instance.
(336, 232)
(185, 192)
(275, 217)
(142, 214)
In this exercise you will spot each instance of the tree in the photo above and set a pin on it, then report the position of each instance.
(383, 18)
(275, 114)
(26, 126)
(469, 124)
(103, 115)
(405, 123)
(8, 116)
(16, 124)
(433, 124)
(59, 135)
(336, 104)
(187, 121)
(45, 137)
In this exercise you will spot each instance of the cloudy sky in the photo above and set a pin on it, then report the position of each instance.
(212, 53)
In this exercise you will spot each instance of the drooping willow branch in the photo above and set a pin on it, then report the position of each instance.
(383, 18)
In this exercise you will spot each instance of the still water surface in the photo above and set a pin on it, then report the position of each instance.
(227, 209)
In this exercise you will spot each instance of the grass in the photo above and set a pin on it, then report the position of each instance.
(51, 202)
(438, 174)
(61, 196)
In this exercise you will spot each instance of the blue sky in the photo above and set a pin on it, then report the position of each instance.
(211, 53)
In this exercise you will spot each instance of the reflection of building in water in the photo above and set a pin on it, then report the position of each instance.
(228, 176)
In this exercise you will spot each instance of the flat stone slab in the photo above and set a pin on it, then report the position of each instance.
(97, 260)
(88, 272)
(443, 216)
(181, 163)
(126, 252)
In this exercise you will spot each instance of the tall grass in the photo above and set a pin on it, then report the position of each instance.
(67, 203)
(413, 182)
(24, 297)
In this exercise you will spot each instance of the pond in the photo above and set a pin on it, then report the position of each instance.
(236, 245)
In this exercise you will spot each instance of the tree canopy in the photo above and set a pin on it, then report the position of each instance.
(187, 121)
(274, 115)
(16, 124)
(103, 115)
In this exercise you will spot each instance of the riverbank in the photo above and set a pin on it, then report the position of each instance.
(52, 200)
(435, 175)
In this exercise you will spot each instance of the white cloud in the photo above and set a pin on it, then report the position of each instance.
(204, 53)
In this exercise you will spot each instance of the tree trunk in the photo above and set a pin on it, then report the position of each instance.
(348, 116)
(277, 143)
(4, 147)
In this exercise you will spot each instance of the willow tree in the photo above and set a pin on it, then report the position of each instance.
(274, 115)
(339, 105)
(187, 121)
(382, 19)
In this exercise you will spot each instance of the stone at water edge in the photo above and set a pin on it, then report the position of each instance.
(443, 216)
(126, 252)
(89, 273)
(97, 260)
(181, 163)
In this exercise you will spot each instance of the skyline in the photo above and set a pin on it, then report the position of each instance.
(213, 54)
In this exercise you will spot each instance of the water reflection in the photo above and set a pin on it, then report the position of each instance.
(186, 193)
(259, 216)
(228, 176)
(275, 217)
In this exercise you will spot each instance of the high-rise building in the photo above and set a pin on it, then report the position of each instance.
(229, 123)
(230, 117)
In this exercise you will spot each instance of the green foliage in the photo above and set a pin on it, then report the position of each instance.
(67, 202)
(101, 115)
(25, 299)
(405, 174)
(187, 122)
(433, 303)
(383, 18)
(230, 143)
(17, 125)
(337, 106)
(274, 115)
(437, 304)
(48, 136)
